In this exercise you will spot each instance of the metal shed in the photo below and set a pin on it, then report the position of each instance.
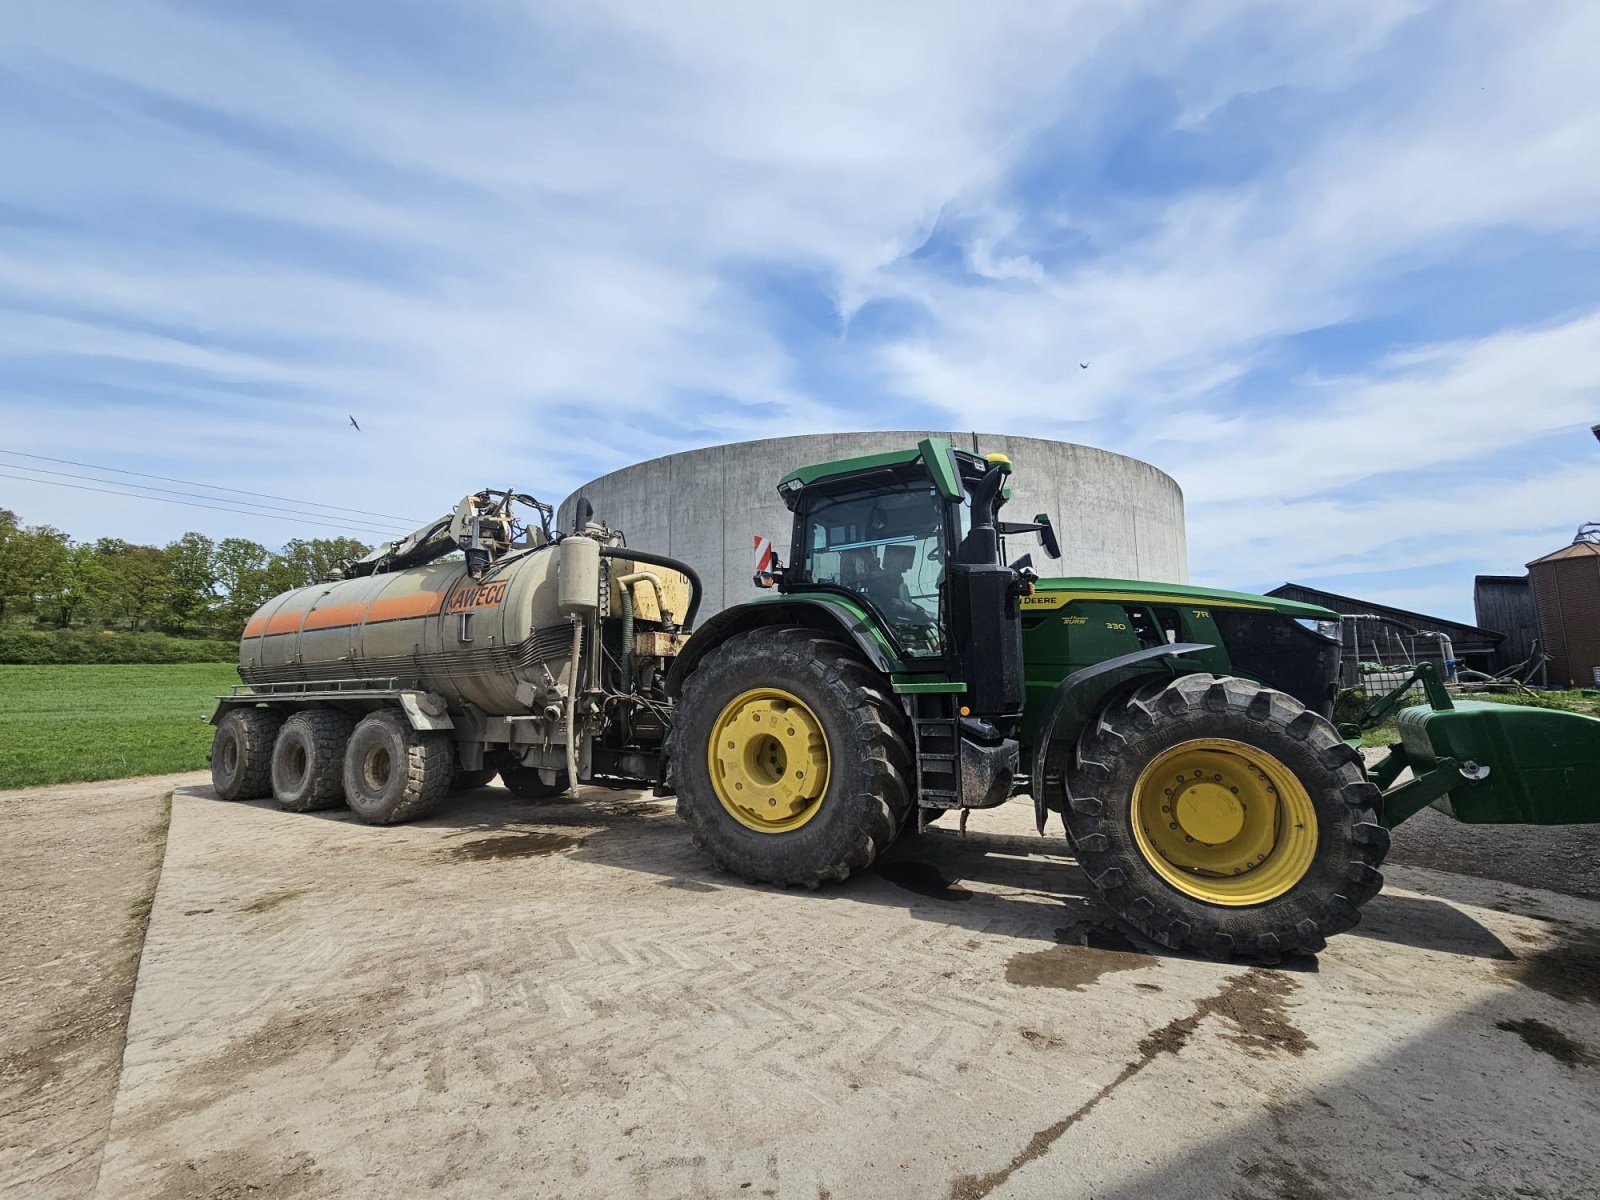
(1566, 597)
(1386, 641)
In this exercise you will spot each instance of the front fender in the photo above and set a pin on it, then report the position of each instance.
(1079, 696)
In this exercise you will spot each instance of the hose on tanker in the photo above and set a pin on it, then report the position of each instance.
(672, 564)
(572, 707)
(625, 586)
(627, 638)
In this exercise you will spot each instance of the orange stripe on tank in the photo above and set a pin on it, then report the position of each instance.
(394, 608)
(334, 616)
(288, 622)
(345, 616)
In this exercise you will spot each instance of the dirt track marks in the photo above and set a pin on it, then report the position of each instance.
(1251, 1005)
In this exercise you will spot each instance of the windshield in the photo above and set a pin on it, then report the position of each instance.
(888, 546)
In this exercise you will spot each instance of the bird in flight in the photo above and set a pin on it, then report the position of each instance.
(1085, 366)
(353, 422)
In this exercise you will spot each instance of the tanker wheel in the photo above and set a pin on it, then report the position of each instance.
(308, 760)
(1220, 815)
(241, 753)
(392, 772)
(790, 758)
(527, 784)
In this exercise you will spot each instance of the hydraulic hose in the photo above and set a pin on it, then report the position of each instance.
(672, 564)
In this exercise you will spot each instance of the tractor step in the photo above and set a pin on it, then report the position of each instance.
(938, 762)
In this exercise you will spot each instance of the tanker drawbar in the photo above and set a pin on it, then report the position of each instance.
(478, 645)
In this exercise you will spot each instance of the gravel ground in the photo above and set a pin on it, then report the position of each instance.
(1560, 858)
(561, 1000)
(79, 865)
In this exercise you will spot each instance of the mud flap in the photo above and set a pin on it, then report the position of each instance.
(988, 772)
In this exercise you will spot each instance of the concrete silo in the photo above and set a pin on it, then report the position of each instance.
(1115, 516)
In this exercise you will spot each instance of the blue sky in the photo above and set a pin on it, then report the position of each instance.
(1336, 268)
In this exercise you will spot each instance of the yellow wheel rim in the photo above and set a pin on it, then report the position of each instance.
(1224, 822)
(769, 760)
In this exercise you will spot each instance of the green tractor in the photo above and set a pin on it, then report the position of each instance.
(899, 668)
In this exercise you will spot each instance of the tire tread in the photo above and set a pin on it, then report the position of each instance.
(1147, 905)
(876, 732)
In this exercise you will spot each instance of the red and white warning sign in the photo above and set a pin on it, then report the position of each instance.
(763, 553)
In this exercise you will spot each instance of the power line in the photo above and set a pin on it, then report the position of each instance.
(213, 486)
(163, 500)
(169, 491)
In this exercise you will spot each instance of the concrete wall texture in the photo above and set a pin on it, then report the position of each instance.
(1115, 516)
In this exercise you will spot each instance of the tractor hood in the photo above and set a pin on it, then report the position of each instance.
(1053, 593)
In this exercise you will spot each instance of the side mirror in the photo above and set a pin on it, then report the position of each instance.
(1047, 535)
(1040, 525)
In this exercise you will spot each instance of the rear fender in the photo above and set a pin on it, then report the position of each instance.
(815, 612)
(1082, 694)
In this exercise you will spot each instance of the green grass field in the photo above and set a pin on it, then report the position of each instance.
(70, 723)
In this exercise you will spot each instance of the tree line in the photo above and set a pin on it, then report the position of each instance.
(194, 586)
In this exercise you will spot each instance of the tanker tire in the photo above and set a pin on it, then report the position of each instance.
(241, 753)
(394, 773)
(526, 784)
(308, 760)
(869, 797)
(1098, 811)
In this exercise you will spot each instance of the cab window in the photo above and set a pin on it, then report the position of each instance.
(888, 547)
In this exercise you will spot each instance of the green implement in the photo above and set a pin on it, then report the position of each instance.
(1485, 763)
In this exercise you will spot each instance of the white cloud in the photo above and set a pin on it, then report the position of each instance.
(1505, 136)
(1431, 407)
(533, 269)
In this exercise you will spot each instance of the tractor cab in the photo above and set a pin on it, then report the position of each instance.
(913, 538)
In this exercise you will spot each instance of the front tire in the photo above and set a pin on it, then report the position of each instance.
(241, 753)
(1217, 814)
(392, 772)
(790, 758)
(308, 760)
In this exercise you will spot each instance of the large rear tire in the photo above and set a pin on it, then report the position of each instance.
(790, 759)
(1217, 814)
(241, 753)
(392, 772)
(308, 760)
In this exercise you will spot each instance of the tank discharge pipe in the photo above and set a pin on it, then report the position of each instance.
(578, 592)
(626, 582)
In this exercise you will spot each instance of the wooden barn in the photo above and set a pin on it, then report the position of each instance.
(1505, 603)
